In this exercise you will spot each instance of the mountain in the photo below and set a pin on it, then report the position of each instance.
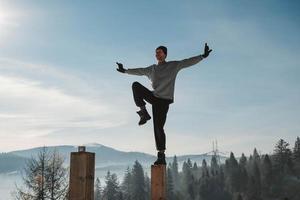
(10, 162)
(106, 157)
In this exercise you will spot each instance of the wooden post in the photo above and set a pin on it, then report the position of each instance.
(82, 171)
(158, 182)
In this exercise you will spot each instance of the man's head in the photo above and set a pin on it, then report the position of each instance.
(161, 53)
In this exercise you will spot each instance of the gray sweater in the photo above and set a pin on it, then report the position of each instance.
(163, 75)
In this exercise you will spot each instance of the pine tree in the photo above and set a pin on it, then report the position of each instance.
(232, 160)
(256, 156)
(112, 190)
(204, 184)
(147, 187)
(214, 166)
(282, 158)
(188, 180)
(254, 180)
(257, 179)
(98, 189)
(266, 174)
(196, 172)
(296, 157)
(249, 164)
(221, 177)
(204, 188)
(204, 169)
(170, 185)
(243, 173)
(126, 186)
(232, 174)
(243, 160)
(195, 167)
(138, 182)
(189, 163)
(175, 173)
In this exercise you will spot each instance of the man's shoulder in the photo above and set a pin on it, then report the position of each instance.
(173, 61)
(150, 66)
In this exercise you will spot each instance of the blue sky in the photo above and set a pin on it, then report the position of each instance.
(58, 82)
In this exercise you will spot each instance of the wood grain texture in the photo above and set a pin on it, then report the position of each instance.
(82, 172)
(158, 182)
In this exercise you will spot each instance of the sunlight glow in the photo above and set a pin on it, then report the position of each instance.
(8, 21)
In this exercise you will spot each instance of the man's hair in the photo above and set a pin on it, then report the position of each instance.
(164, 49)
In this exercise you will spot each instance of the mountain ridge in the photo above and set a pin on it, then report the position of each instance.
(105, 156)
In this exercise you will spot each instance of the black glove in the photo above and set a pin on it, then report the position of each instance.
(206, 51)
(120, 68)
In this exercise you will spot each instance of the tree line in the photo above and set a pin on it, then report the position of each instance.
(257, 177)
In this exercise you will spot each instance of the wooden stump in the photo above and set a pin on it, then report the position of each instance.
(82, 171)
(158, 182)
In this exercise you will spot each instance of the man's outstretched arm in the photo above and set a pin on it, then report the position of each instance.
(135, 71)
(194, 60)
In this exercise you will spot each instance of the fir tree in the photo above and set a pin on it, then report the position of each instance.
(126, 185)
(170, 185)
(233, 174)
(98, 189)
(254, 180)
(204, 169)
(257, 179)
(256, 156)
(296, 157)
(214, 167)
(282, 157)
(204, 183)
(189, 163)
(204, 188)
(243, 160)
(147, 187)
(243, 173)
(266, 174)
(138, 182)
(112, 190)
(175, 173)
(188, 180)
(195, 167)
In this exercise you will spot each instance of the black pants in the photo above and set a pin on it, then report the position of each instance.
(160, 109)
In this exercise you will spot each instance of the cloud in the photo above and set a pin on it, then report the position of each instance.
(35, 103)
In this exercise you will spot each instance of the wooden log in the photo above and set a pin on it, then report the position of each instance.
(158, 182)
(82, 172)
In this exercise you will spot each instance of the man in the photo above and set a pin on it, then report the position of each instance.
(162, 76)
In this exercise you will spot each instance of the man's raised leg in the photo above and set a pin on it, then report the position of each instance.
(141, 93)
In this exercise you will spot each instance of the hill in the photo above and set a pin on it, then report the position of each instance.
(106, 157)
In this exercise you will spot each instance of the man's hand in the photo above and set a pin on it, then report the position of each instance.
(206, 51)
(120, 68)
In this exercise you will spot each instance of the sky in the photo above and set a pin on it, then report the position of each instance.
(59, 84)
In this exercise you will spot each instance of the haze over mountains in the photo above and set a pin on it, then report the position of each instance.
(106, 157)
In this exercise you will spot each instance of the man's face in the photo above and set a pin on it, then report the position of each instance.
(160, 55)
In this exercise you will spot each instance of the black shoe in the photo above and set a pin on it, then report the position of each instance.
(144, 116)
(161, 159)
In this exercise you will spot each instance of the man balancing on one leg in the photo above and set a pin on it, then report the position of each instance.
(162, 76)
